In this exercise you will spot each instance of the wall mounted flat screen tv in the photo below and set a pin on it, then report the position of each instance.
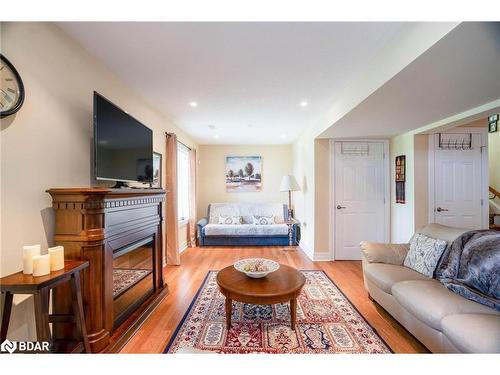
(123, 146)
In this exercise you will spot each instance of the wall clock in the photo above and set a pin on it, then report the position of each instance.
(11, 88)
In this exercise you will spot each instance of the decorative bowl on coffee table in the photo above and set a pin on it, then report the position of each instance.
(256, 267)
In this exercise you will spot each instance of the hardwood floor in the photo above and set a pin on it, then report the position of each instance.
(185, 280)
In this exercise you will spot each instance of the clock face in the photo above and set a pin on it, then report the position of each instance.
(11, 88)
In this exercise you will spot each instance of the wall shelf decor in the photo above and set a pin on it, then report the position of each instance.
(493, 123)
(400, 179)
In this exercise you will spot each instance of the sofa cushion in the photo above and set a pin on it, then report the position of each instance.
(443, 232)
(246, 230)
(424, 254)
(386, 275)
(473, 333)
(246, 210)
(429, 301)
(388, 253)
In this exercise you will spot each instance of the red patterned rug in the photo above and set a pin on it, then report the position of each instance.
(326, 323)
(124, 278)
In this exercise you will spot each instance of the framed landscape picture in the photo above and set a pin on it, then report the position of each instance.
(243, 174)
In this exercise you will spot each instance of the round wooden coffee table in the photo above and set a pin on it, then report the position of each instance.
(280, 286)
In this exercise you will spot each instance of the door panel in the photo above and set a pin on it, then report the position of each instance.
(359, 192)
(458, 186)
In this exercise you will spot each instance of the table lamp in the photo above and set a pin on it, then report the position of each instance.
(289, 184)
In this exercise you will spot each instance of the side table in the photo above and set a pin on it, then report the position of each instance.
(39, 287)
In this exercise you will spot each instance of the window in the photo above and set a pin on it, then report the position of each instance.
(182, 182)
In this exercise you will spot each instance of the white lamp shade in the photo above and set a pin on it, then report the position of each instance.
(289, 183)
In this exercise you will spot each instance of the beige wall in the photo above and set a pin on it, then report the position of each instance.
(276, 162)
(322, 213)
(421, 174)
(48, 143)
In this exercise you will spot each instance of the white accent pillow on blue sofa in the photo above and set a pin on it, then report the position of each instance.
(230, 220)
(264, 220)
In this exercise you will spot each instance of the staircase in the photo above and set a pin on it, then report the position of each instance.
(494, 209)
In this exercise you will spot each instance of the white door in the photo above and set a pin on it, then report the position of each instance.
(458, 184)
(359, 204)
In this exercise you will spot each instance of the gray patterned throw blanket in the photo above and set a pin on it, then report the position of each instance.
(470, 266)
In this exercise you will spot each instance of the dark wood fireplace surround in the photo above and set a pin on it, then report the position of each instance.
(92, 224)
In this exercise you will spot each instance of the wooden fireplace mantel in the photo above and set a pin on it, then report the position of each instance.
(92, 223)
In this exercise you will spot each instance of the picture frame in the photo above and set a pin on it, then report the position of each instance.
(493, 126)
(156, 183)
(243, 174)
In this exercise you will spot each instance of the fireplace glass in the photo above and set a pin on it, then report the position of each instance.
(133, 277)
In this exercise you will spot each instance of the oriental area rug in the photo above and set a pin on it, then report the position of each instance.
(124, 278)
(327, 322)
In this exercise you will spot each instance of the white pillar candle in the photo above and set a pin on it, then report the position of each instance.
(28, 253)
(56, 258)
(41, 265)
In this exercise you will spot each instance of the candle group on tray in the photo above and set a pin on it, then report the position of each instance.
(40, 265)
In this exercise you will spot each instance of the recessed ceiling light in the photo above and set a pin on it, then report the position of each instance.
(283, 136)
(216, 136)
(193, 104)
(303, 103)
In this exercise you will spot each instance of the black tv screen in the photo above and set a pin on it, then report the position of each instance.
(123, 146)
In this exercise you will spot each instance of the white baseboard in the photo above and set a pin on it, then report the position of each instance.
(315, 257)
(321, 257)
(305, 248)
(183, 247)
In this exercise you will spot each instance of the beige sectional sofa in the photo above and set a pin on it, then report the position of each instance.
(443, 321)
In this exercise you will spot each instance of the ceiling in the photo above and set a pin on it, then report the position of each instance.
(248, 79)
(460, 72)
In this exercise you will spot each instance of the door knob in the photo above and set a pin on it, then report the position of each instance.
(439, 209)
(339, 207)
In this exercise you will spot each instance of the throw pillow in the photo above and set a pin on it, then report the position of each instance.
(424, 254)
(230, 220)
(263, 220)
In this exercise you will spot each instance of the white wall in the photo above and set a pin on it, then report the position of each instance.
(48, 142)
(403, 215)
(304, 200)
(277, 161)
